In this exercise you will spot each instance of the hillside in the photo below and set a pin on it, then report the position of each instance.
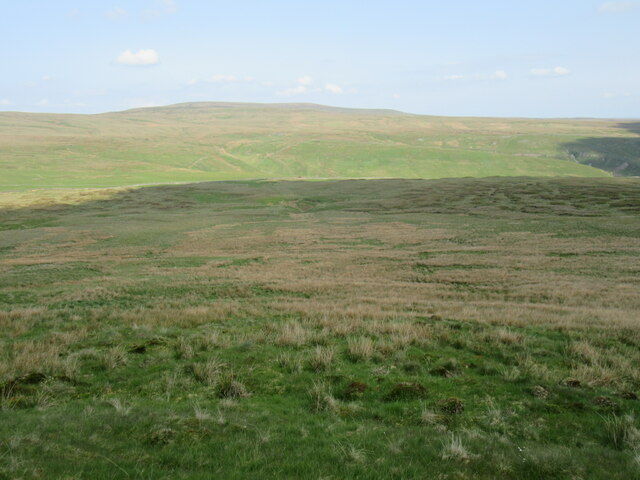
(222, 141)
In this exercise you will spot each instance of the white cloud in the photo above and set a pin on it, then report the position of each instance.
(169, 6)
(333, 88)
(500, 75)
(142, 57)
(304, 86)
(44, 102)
(550, 72)
(396, 95)
(616, 95)
(290, 92)
(223, 79)
(117, 13)
(46, 78)
(454, 77)
(618, 7)
(4, 102)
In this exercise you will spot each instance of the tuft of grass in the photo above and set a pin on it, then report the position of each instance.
(229, 387)
(322, 399)
(208, 373)
(351, 453)
(114, 357)
(454, 449)
(290, 362)
(322, 358)
(622, 431)
(503, 336)
(120, 407)
(184, 348)
(360, 349)
(429, 417)
(292, 334)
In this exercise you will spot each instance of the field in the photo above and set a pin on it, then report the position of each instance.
(455, 328)
(217, 141)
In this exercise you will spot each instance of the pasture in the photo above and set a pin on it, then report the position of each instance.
(218, 141)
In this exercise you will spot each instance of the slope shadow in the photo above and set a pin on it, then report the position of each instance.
(252, 201)
(618, 155)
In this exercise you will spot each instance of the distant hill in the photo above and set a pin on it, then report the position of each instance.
(223, 141)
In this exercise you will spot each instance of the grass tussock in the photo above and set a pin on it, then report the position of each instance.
(622, 432)
(455, 450)
(293, 334)
(360, 349)
(208, 372)
(322, 358)
(322, 399)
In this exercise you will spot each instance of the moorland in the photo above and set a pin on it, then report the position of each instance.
(340, 326)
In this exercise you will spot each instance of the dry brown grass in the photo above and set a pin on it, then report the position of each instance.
(292, 334)
(352, 273)
(322, 358)
(360, 348)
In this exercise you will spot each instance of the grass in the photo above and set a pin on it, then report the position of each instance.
(461, 328)
(209, 141)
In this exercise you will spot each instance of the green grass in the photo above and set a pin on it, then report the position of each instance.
(459, 328)
(208, 141)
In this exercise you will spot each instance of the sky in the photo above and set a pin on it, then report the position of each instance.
(516, 58)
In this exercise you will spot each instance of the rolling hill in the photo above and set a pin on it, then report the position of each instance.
(232, 141)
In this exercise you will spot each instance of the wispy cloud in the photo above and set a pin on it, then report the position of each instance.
(616, 95)
(162, 7)
(4, 102)
(140, 58)
(44, 102)
(618, 7)
(550, 72)
(333, 88)
(290, 92)
(303, 87)
(221, 80)
(117, 13)
(497, 75)
(74, 13)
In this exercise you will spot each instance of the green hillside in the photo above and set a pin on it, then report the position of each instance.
(221, 141)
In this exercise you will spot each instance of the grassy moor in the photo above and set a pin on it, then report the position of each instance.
(391, 328)
(223, 141)
(337, 240)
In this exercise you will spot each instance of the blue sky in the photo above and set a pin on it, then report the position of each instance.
(568, 58)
